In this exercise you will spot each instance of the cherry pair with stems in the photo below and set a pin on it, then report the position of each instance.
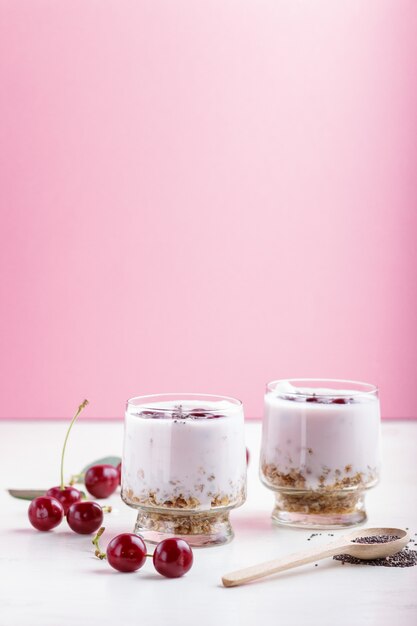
(172, 557)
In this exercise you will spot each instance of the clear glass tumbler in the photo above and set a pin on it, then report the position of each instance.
(184, 466)
(320, 450)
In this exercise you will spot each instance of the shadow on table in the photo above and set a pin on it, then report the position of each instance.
(252, 522)
(109, 571)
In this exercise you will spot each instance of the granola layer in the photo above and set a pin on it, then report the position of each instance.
(182, 502)
(329, 480)
(319, 502)
(195, 524)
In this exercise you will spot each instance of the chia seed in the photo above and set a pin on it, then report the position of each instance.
(404, 558)
(177, 413)
(375, 539)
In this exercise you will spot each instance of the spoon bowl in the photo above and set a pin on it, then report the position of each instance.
(369, 551)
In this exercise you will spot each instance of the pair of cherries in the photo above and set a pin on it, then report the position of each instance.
(172, 557)
(100, 481)
(83, 516)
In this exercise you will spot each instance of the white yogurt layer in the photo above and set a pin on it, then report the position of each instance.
(198, 459)
(322, 439)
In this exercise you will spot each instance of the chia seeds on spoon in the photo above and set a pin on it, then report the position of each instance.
(404, 558)
(376, 539)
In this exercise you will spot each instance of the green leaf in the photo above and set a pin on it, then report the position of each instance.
(30, 494)
(27, 494)
(106, 460)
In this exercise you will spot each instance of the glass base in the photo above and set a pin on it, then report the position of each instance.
(198, 529)
(315, 509)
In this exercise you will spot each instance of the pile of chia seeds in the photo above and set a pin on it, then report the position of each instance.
(404, 558)
(376, 539)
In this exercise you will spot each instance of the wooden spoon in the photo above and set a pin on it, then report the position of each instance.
(343, 545)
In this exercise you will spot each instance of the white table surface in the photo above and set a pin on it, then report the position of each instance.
(53, 579)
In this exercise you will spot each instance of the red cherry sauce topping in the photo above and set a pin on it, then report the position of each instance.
(319, 399)
(203, 414)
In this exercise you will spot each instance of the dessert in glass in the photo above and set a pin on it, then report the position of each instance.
(320, 450)
(184, 466)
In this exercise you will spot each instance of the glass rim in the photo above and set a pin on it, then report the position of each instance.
(155, 397)
(361, 387)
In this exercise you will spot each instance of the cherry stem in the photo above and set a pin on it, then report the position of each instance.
(80, 408)
(106, 509)
(76, 478)
(96, 542)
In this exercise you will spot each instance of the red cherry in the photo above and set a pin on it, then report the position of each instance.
(126, 552)
(152, 414)
(67, 496)
(101, 480)
(119, 469)
(45, 513)
(85, 517)
(173, 557)
(203, 414)
(342, 400)
(199, 413)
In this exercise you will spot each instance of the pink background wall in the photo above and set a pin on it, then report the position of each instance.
(205, 195)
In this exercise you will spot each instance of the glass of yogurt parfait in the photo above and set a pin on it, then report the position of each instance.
(184, 466)
(320, 450)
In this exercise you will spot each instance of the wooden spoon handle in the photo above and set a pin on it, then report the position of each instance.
(242, 576)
